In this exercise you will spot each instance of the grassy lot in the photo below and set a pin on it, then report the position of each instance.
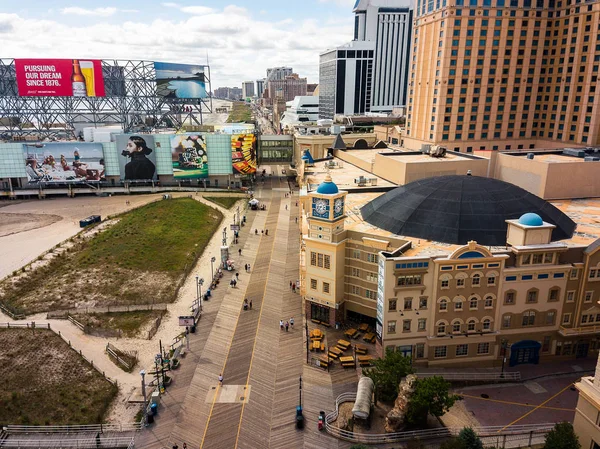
(129, 323)
(225, 201)
(240, 112)
(48, 383)
(140, 259)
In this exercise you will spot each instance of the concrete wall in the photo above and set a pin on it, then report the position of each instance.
(529, 174)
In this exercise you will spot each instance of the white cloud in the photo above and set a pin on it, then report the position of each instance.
(170, 5)
(102, 12)
(197, 10)
(348, 3)
(240, 45)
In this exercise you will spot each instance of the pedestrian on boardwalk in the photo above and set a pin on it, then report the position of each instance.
(266, 232)
(290, 285)
(292, 322)
(250, 304)
(286, 207)
(256, 232)
(287, 325)
(262, 231)
(237, 276)
(296, 219)
(234, 283)
(248, 270)
(246, 267)
(240, 251)
(185, 445)
(221, 379)
(293, 288)
(175, 446)
(281, 324)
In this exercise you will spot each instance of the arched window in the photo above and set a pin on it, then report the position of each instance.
(529, 318)
(487, 324)
(489, 302)
(532, 296)
(471, 325)
(441, 327)
(443, 305)
(476, 281)
(472, 303)
(456, 326)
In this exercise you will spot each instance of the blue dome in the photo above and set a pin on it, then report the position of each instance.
(531, 219)
(327, 187)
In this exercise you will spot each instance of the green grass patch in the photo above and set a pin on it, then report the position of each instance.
(129, 323)
(240, 112)
(48, 383)
(225, 201)
(141, 259)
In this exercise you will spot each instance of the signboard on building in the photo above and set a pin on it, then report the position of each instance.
(186, 320)
(137, 157)
(380, 295)
(59, 77)
(235, 227)
(189, 156)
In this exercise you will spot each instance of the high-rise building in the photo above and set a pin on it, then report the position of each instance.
(248, 89)
(278, 73)
(228, 93)
(287, 88)
(260, 87)
(496, 75)
(382, 28)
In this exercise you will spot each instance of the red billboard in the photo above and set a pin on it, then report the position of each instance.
(59, 77)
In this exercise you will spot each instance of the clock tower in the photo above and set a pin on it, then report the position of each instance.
(327, 211)
(325, 250)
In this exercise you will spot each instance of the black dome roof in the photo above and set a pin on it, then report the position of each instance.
(456, 209)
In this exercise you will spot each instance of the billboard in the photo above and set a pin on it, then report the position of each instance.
(59, 77)
(137, 157)
(64, 162)
(243, 153)
(180, 81)
(189, 156)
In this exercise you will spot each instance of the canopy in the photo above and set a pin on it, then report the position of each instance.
(253, 202)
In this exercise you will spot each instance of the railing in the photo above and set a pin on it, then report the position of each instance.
(91, 442)
(495, 432)
(566, 331)
(86, 428)
(500, 377)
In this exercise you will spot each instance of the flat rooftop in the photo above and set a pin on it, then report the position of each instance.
(343, 174)
(420, 157)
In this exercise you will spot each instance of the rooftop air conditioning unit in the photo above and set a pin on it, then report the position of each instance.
(361, 181)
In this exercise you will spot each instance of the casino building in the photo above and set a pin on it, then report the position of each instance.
(453, 270)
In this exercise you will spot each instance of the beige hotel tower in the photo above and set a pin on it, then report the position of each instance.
(504, 74)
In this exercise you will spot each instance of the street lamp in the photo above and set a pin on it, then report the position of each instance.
(143, 374)
(212, 270)
(504, 346)
(199, 284)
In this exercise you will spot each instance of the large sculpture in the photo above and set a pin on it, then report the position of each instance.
(394, 422)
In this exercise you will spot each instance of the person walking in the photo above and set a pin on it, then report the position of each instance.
(240, 251)
(292, 322)
(293, 288)
(237, 276)
(248, 270)
(221, 379)
(290, 285)
(184, 445)
(286, 207)
(287, 325)
(281, 324)
(246, 267)
(250, 303)
(296, 219)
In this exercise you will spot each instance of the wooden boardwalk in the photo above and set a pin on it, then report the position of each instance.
(261, 364)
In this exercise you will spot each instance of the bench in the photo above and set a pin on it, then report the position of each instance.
(322, 347)
(316, 321)
(325, 323)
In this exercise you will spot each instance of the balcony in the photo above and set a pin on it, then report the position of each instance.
(583, 330)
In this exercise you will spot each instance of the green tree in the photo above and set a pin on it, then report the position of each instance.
(387, 372)
(562, 436)
(359, 446)
(453, 443)
(470, 438)
(431, 396)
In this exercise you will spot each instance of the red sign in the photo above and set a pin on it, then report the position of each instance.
(59, 77)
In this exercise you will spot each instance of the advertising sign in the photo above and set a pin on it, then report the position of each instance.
(177, 81)
(59, 77)
(64, 162)
(187, 320)
(137, 157)
(243, 153)
(189, 156)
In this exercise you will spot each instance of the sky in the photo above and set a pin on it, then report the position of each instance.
(241, 39)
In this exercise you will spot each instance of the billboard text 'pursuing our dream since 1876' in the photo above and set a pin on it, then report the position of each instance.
(59, 77)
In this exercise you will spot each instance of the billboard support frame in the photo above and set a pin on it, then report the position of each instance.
(131, 101)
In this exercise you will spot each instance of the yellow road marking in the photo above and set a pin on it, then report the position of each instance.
(539, 406)
(516, 403)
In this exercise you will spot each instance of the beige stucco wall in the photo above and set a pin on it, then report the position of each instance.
(586, 413)
(529, 174)
(572, 180)
(347, 156)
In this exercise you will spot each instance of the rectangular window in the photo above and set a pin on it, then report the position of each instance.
(407, 303)
(532, 296)
(355, 272)
(491, 280)
(391, 327)
(371, 277)
(325, 287)
(406, 325)
(414, 279)
(546, 344)
(355, 290)
(327, 264)
(550, 318)
(553, 294)
(483, 348)
(458, 305)
(528, 318)
(313, 258)
(445, 283)
(566, 318)
(440, 352)
(462, 350)
(509, 298)
(571, 296)
(422, 324)
(420, 353)
(313, 284)
(392, 305)
(422, 303)
(371, 257)
(574, 273)
(370, 294)
(510, 278)
(356, 254)
(593, 274)
(588, 297)
(506, 321)
(320, 260)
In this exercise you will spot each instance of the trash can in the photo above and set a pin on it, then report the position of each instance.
(153, 409)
